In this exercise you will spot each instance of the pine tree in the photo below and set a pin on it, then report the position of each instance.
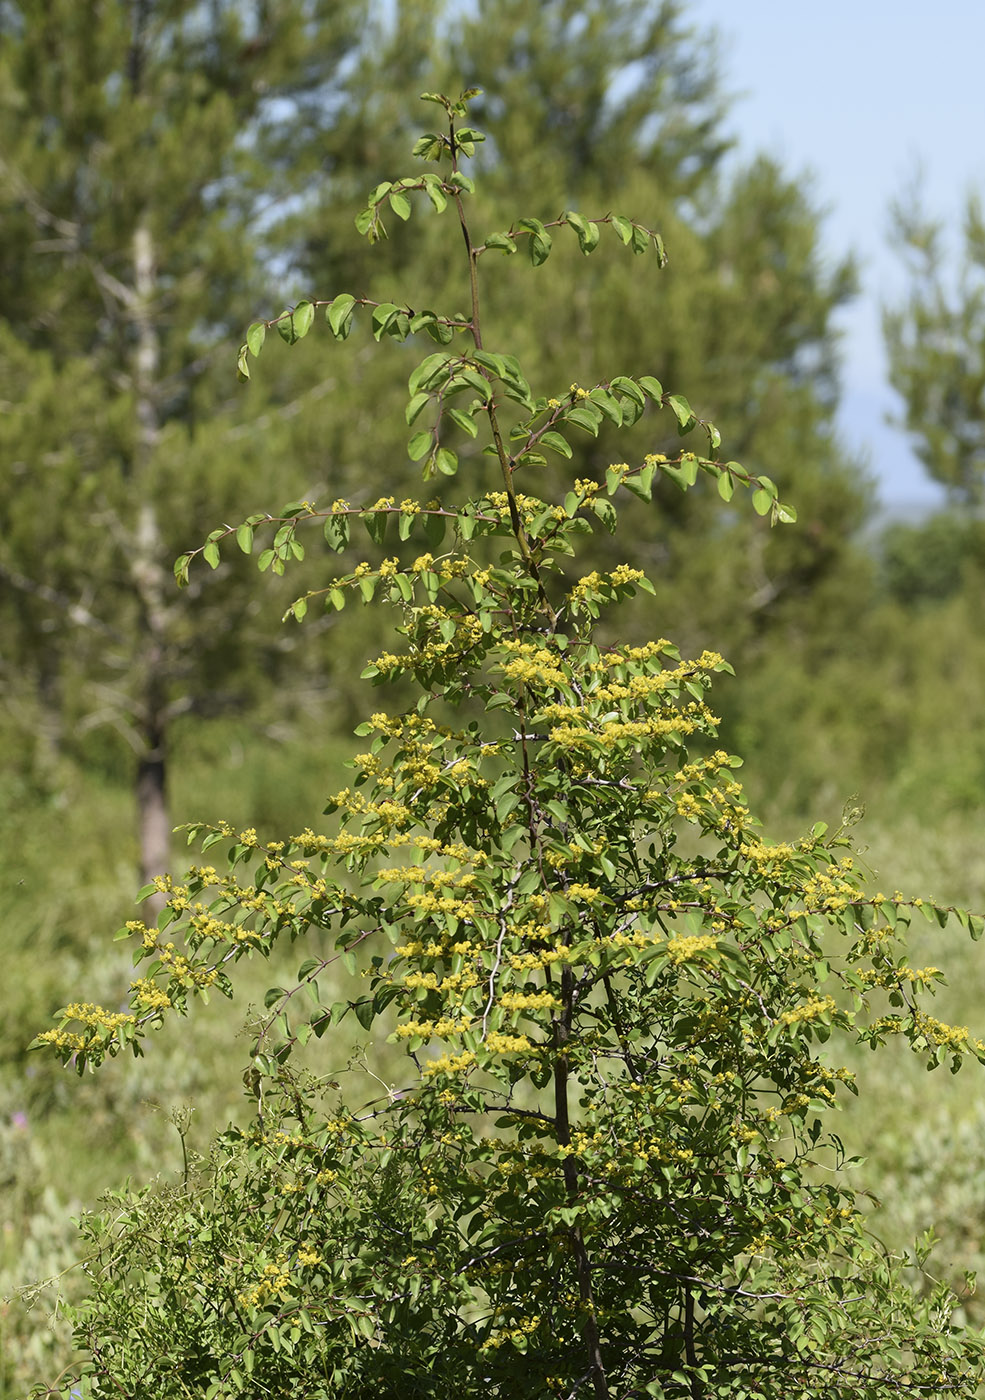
(148, 149)
(936, 345)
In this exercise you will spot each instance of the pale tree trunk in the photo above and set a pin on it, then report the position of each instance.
(151, 580)
(150, 577)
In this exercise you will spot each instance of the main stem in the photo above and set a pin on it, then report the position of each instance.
(583, 1268)
(497, 436)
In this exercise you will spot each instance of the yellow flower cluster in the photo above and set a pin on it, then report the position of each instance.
(533, 664)
(149, 994)
(514, 1334)
(528, 1001)
(533, 961)
(96, 1017)
(766, 857)
(588, 893)
(147, 936)
(692, 719)
(937, 1033)
(828, 892)
(809, 1010)
(684, 949)
(431, 904)
(276, 1279)
(64, 1040)
(431, 1030)
(417, 875)
(502, 1044)
(450, 1064)
(454, 982)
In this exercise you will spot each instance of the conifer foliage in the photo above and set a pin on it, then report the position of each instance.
(604, 1170)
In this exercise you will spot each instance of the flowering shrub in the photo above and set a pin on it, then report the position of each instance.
(605, 1170)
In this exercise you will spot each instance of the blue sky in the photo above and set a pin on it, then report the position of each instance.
(862, 94)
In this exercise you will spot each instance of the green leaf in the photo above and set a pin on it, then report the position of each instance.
(682, 410)
(420, 445)
(414, 407)
(588, 233)
(382, 316)
(435, 193)
(502, 241)
(464, 421)
(338, 313)
(255, 336)
(211, 554)
(556, 442)
(466, 378)
(689, 467)
(468, 136)
(428, 371)
(610, 408)
(336, 532)
(642, 484)
(440, 332)
(762, 501)
(304, 315)
(540, 240)
(400, 205)
(585, 416)
(434, 529)
(640, 239)
(622, 384)
(242, 363)
(652, 388)
(285, 327)
(446, 461)
(726, 486)
(244, 538)
(605, 511)
(495, 364)
(622, 226)
(376, 522)
(540, 249)
(428, 147)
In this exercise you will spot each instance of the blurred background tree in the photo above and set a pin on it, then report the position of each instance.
(149, 150)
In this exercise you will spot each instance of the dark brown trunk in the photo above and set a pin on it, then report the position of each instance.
(583, 1268)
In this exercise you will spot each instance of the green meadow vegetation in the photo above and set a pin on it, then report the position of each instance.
(129, 706)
